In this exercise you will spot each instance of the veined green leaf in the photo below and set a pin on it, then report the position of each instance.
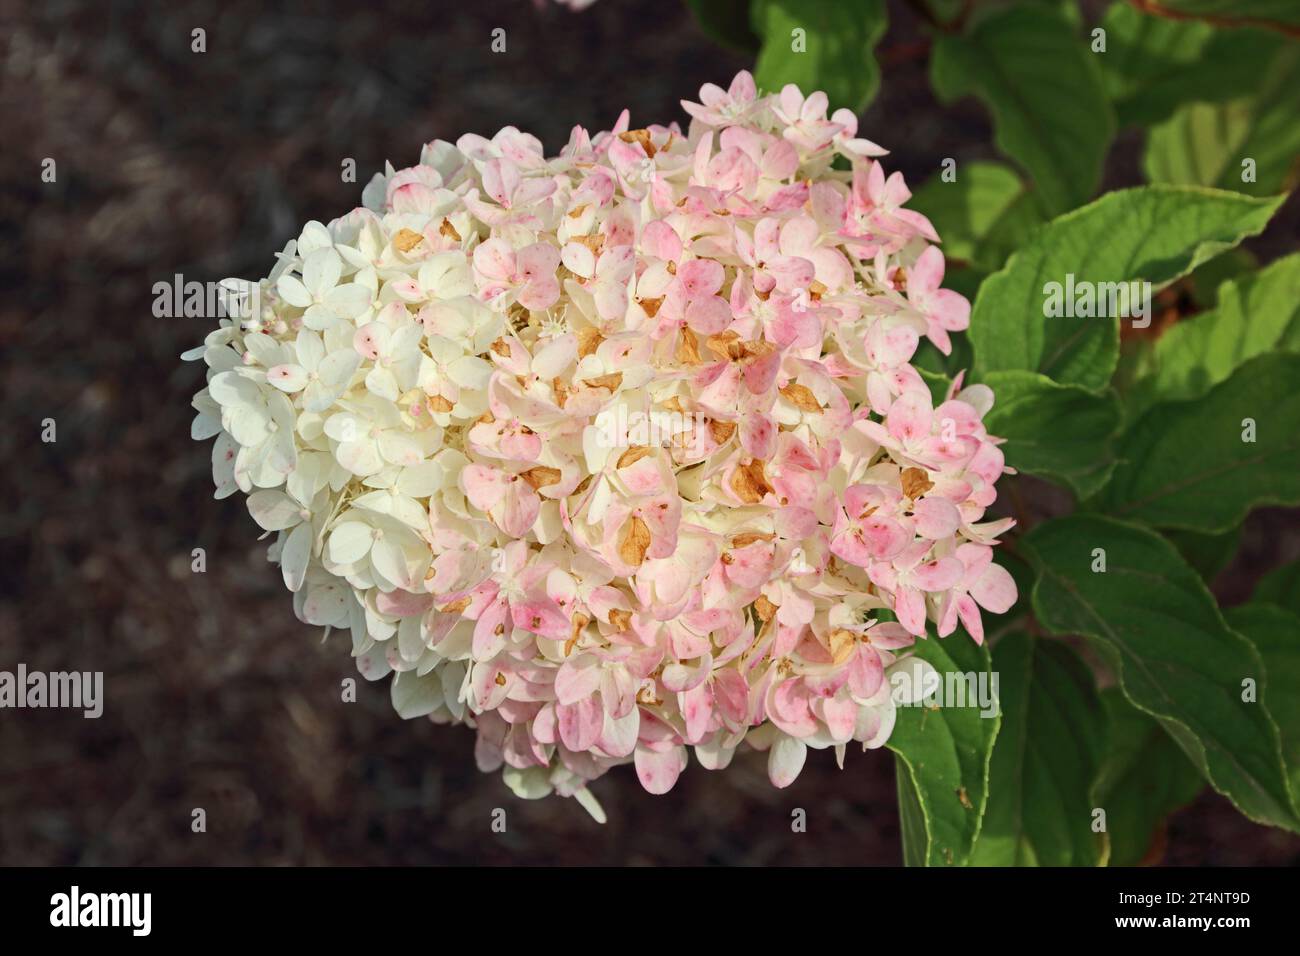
(1281, 586)
(1207, 553)
(1144, 53)
(1044, 761)
(1153, 65)
(824, 45)
(1044, 89)
(943, 761)
(985, 213)
(1250, 144)
(1153, 234)
(1144, 777)
(1202, 464)
(1256, 313)
(1176, 657)
(1060, 432)
(1275, 632)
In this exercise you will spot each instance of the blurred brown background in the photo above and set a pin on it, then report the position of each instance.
(169, 161)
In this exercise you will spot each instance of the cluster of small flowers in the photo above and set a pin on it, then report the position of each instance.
(411, 410)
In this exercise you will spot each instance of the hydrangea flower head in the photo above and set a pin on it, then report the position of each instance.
(618, 456)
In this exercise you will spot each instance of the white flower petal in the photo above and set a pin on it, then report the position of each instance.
(320, 271)
(785, 760)
(295, 556)
(293, 291)
(350, 541)
(287, 378)
(274, 510)
(388, 560)
(350, 300)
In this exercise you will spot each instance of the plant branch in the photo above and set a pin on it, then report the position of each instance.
(1156, 9)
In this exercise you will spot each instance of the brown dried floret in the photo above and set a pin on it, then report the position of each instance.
(636, 541)
(447, 229)
(407, 239)
(632, 455)
(589, 340)
(749, 482)
(721, 431)
(765, 609)
(915, 481)
(611, 381)
(540, 476)
(651, 306)
(801, 397)
(641, 136)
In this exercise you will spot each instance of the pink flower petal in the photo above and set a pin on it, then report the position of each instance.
(659, 771)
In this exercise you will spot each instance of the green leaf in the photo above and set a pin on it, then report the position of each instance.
(911, 818)
(1257, 313)
(1267, 13)
(1144, 777)
(1187, 464)
(943, 756)
(985, 212)
(1207, 553)
(1208, 143)
(1023, 575)
(1143, 52)
(1175, 657)
(1204, 281)
(838, 37)
(1044, 761)
(1059, 432)
(1152, 233)
(1275, 632)
(1281, 586)
(1153, 64)
(1044, 89)
(726, 22)
(944, 11)
(1010, 231)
